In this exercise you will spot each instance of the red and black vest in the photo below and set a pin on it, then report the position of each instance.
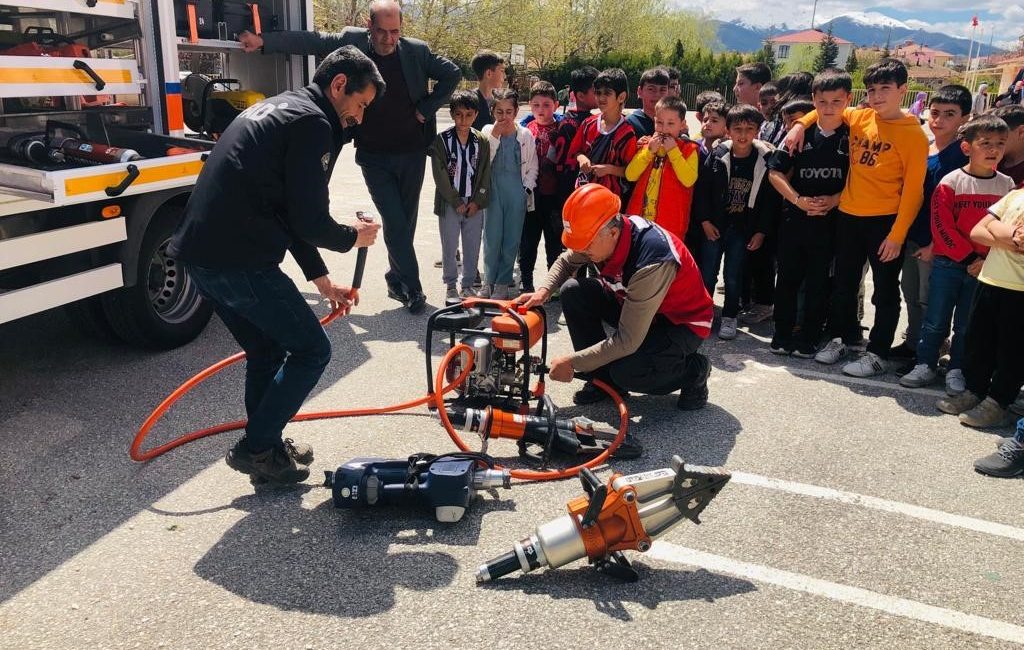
(643, 243)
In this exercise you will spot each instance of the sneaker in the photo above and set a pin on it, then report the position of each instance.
(693, 394)
(757, 314)
(1018, 405)
(868, 365)
(484, 291)
(417, 303)
(500, 292)
(904, 367)
(955, 382)
(274, 464)
(467, 293)
(780, 347)
(451, 293)
(805, 351)
(957, 404)
(727, 330)
(591, 394)
(1005, 463)
(986, 414)
(300, 452)
(833, 351)
(902, 351)
(921, 375)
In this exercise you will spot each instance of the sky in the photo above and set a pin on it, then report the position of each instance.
(1001, 20)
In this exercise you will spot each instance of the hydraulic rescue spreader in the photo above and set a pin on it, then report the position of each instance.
(626, 513)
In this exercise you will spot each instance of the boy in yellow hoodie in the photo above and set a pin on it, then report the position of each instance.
(883, 194)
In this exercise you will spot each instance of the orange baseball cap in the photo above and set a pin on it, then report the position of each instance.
(585, 212)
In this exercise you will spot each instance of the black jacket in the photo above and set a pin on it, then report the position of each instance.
(419, 65)
(263, 190)
(711, 195)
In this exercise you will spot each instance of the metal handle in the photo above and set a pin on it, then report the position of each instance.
(117, 190)
(357, 277)
(97, 80)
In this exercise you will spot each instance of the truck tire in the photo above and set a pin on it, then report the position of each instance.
(164, 308)
(88, 318)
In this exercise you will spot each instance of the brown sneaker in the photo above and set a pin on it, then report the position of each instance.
(273, 465)
(957, 404)
(987, 414)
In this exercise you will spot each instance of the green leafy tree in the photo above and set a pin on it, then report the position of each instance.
(766, 55)
(828, 50)
(851, 62)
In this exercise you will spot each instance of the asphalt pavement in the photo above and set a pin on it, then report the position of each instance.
(854, 518)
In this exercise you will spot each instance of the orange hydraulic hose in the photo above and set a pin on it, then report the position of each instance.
(528, 474)
(440, 390)
(136, 452)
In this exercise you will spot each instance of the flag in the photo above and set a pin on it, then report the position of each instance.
(974, 21)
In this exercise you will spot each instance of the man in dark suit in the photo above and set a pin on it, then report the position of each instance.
(392, 141)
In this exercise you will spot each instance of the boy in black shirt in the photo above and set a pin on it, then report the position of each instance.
(489, 68)
(734, 207)
(810, 181)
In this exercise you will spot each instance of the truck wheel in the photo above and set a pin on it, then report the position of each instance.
(164, 308)
(88, 318)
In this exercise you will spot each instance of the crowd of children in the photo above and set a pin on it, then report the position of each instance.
(791, 195)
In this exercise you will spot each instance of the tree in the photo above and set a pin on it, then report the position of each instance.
(828, 50)
(766, 55)
(851, 62)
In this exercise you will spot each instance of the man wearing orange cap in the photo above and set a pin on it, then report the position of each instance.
(649, 290)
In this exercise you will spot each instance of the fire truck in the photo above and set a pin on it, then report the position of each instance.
(108, 109)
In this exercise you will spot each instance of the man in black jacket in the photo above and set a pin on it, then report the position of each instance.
(392, 143)
(263, 191)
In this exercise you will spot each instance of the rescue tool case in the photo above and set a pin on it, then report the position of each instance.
(225, 19)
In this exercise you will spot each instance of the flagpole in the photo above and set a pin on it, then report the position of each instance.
(970, 50)
(972, 68)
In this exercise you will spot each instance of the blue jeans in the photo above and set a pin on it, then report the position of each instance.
(732, 244)
(285, 345)
(950, 292)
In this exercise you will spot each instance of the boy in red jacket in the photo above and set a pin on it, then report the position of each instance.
(665, 170)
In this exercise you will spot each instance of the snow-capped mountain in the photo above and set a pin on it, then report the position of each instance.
(863, 28)
(874, 19)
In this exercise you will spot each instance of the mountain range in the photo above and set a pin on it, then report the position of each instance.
(864, 29)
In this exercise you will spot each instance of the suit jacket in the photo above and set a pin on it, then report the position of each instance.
(419, 65)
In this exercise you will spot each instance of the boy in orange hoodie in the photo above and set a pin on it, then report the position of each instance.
(665, 198)
(883, 194)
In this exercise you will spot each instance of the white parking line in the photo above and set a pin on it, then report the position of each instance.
(743, 361)
(918, 512)
(666, 551)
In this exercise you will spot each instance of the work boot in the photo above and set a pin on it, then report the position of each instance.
(957, 404)
(986, 414)
(591, 394)
(300, 452)
(274, 464)
(694, 393)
